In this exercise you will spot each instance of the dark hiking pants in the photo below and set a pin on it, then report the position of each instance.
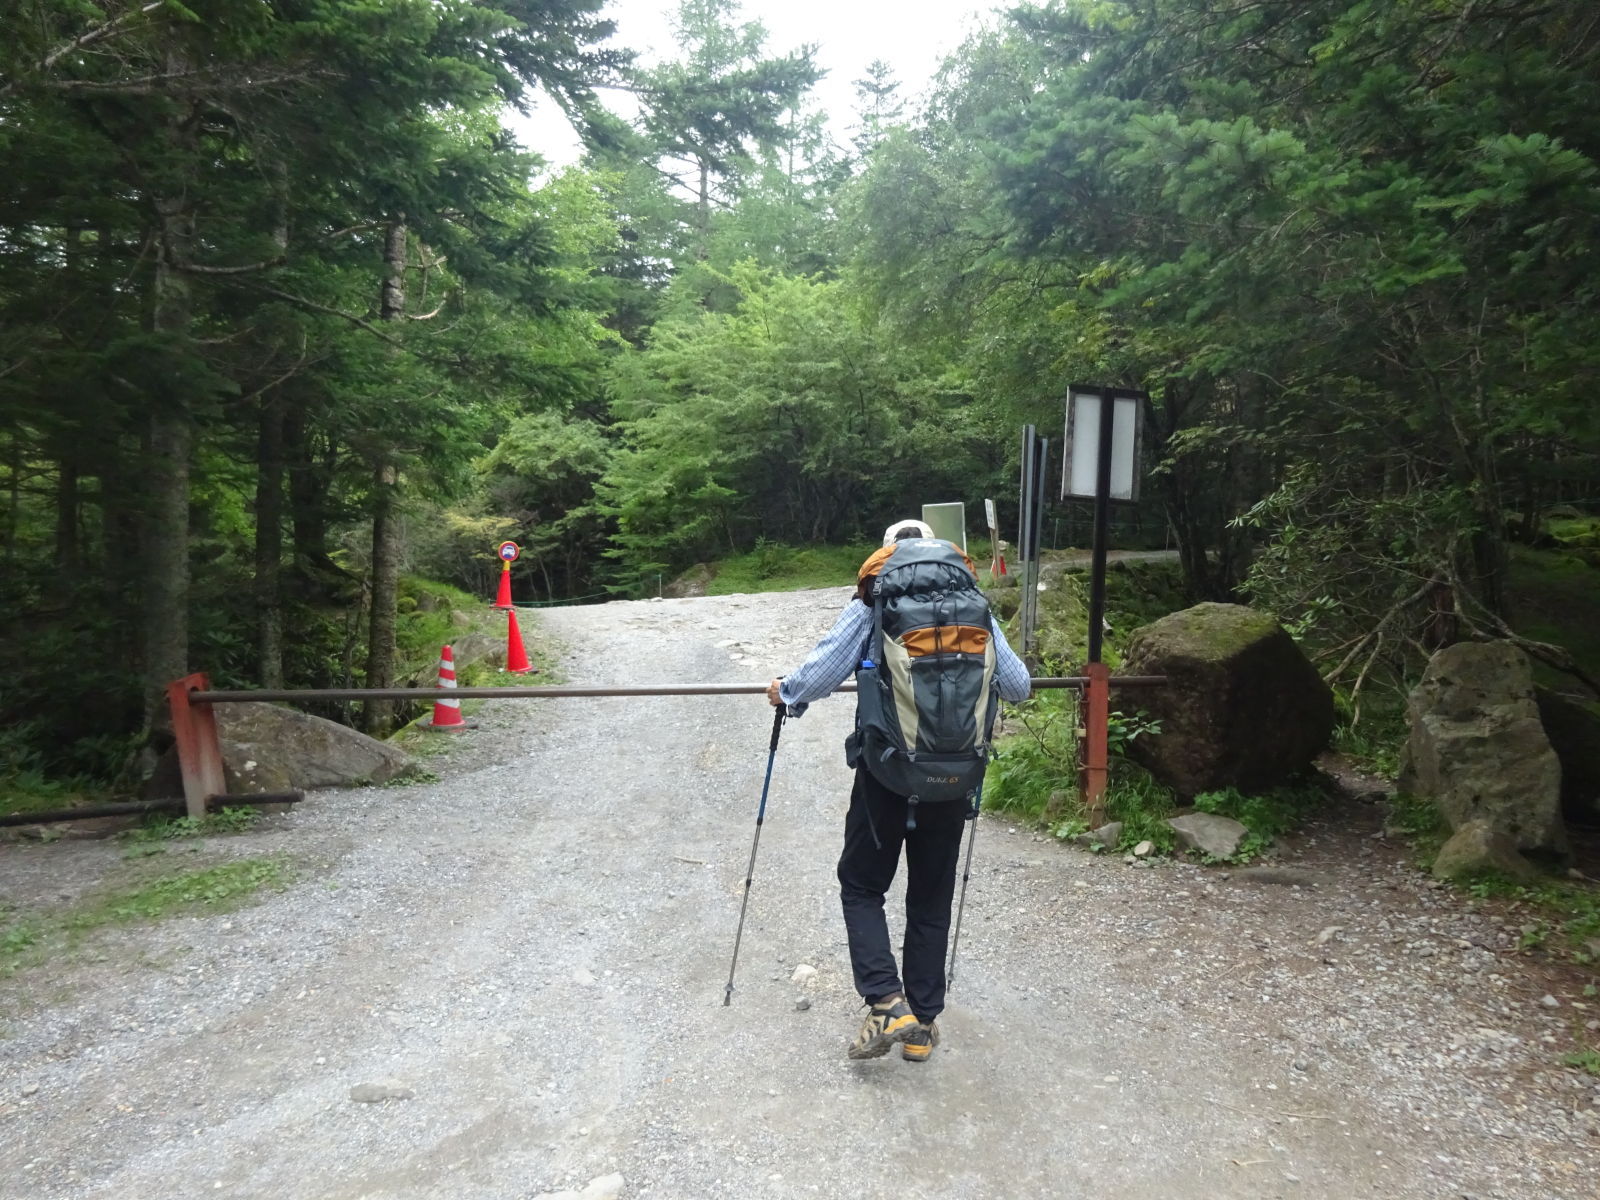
(867, 868)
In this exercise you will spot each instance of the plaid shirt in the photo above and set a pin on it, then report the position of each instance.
(835, 658)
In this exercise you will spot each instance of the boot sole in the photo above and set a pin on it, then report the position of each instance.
(883, 1042)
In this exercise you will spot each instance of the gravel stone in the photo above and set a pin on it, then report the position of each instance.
(374, 1093)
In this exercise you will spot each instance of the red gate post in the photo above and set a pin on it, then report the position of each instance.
(1097, 717)
(199, 749)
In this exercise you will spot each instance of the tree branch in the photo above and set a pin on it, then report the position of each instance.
(358, 322)
(98, 33)
(249, 268)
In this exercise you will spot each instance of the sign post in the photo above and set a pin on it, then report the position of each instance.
(1100, 459)
(1035, 467)
(508, 553)
(997, 557)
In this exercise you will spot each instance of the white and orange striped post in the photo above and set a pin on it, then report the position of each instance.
(447, 713)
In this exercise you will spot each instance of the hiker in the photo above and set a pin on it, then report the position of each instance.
(924, 715)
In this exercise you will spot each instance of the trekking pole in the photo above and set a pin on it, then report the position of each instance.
(966, 874)
(750, 871)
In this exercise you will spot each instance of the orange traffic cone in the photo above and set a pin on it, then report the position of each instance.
(503, 597)
(516, 657)
(447, 713)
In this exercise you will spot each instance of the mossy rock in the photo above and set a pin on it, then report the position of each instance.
(1243, 707)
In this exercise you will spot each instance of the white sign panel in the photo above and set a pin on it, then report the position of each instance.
(988, 511)
(1080, 456)
(948, 521)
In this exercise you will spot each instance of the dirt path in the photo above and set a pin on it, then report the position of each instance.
(536, 945)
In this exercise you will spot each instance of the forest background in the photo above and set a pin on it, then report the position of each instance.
(292, 330)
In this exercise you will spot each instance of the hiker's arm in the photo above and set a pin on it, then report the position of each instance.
(831, 661)
(1010, 672)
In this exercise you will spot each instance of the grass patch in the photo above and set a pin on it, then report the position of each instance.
(220, 886)
(1374, 742)
(27, 940)
(1035, 776)
(1034, 771)
(1134, 797)
(28, 791)
(1587, 1061)
(160, 828)
(1419, 821)
(775, 567)
(1565, 913)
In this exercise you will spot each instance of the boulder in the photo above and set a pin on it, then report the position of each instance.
(692, 582)
(1477, 749)
(472, 648)
(1107, 836)
(1574, 732)
(1243, 707)
(304, 751)
(1209, 834)
(1479, 849)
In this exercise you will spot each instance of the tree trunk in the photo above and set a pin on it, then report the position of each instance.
(69, 553)
(169, 443)
(379, 714)
(269, 542)
(309, 481)
(14, 517)
(702, 249)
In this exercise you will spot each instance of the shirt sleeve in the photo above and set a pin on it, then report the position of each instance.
(1010, 672)
(831, 661)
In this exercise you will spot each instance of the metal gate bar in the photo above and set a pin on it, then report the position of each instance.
(200, 750)
(558, 691)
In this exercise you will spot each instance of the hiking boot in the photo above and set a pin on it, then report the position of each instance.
(920, 1042)
(886, 1024)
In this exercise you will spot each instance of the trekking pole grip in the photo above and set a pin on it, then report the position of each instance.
(777, 726)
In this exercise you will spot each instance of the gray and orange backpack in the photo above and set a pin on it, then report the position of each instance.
(926, 697)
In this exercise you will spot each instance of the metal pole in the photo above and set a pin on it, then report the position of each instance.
(138, 808)
(1102, 517)
(750, 871)
(562, 691)
(966, 874)
(1097, 696)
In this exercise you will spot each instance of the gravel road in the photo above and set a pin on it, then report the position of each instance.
(534, 948)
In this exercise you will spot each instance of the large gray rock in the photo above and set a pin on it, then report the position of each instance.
(692, 582)
(1477, 849)
(1574, 732)
(1208, 833)
(1477, 748)
(306, 751)
(1243, 707)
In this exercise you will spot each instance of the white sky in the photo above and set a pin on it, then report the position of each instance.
(912, 36)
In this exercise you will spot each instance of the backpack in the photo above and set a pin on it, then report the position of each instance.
(926, 698)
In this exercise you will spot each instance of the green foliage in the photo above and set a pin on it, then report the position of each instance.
(1566, 912)
(774, 567)
(1375, 741)
(1036, 766)
(785, 418)
(1415, 817)
(1134, 797)
(160, 828)
(1587, 1061)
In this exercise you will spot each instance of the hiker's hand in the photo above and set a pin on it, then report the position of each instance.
(772, 692)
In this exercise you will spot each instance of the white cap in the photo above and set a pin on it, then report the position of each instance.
(922, 530)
